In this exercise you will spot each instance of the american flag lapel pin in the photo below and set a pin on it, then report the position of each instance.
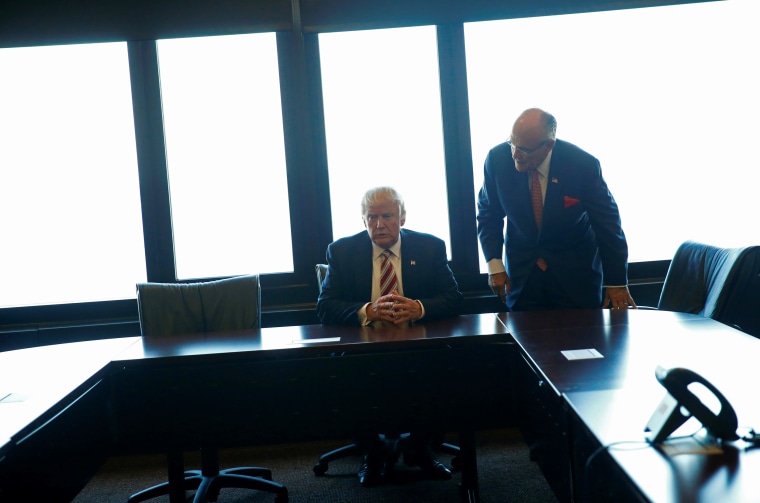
(412, 262)
(554, 180)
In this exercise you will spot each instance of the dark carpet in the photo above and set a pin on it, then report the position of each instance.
(505, 471)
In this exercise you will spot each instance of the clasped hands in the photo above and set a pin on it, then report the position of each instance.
(394, 308)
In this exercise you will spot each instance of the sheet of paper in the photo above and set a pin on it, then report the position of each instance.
(12, 398)
(581, 354)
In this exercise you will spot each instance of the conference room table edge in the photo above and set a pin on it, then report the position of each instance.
(319, 341)
(314, 341)
(531, 337)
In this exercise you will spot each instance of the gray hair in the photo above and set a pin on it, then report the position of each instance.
(383, 194)
(551, 125)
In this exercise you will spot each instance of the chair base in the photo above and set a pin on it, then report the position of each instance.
(453, 451)
(207, 488)
(352, 450)
(347, 450)
(209, 481)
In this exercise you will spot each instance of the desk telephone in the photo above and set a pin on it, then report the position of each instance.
(680, 403)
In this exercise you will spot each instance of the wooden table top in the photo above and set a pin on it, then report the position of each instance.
(35, 380)
(630, 345)
(614, 394)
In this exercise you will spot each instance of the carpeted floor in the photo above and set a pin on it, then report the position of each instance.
(505, 473)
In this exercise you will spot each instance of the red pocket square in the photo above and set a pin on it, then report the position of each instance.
(571, 201)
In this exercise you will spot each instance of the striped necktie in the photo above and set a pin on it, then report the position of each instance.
(388, 279)
(536, 197)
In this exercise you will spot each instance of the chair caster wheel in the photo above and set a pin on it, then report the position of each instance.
(319, 469)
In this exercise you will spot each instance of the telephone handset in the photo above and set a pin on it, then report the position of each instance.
(681, 403)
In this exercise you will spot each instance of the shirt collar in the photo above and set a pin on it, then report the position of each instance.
(396, 249)
(543, 168)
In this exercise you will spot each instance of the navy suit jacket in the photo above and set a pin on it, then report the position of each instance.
(581, 237)
(425, 276)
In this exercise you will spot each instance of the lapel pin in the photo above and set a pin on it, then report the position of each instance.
(554, 180)
(412, 262)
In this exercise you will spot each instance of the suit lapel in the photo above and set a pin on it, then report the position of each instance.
(363, 264)
(553, 203)
(409, 249)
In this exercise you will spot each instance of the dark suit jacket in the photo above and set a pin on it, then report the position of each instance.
(425, 276)
(581, 237)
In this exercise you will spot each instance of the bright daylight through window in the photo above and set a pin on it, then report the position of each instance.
(226, 155)
(665, 97)
(69, 194)
(383, 124)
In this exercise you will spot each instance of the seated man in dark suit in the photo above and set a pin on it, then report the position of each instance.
(389, 275)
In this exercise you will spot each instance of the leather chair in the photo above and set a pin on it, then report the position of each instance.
(232, 304)
(351, 449)
(321, 274)
(719, 283)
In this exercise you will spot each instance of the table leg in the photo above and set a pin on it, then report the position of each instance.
(176, 465)
(470, 492)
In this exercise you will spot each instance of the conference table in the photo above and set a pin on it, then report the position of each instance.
(589, 380)
(54, 418)
(270, 385)
(309, 382)
(580, 384)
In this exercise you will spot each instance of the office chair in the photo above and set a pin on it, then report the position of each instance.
(167, 309)
(351, 449)
(718, 283)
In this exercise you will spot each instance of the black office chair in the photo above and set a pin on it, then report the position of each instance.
(351, 449)
(232, 304)
(718, 283)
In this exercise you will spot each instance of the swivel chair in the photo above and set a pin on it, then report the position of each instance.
(167, 309)
(352, 449)
(718, 283)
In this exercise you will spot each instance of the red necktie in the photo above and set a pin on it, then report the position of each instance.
(536, 197)
(538, 207)
(388, 280)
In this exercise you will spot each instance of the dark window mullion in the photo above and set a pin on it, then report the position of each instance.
(458, 151)
(151, 161)
(319, 159)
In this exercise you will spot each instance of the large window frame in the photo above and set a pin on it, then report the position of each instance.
(371, 79)
(287, 297)
(68, 183)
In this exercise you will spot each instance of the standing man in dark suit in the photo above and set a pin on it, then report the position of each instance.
(419, 286)
(565, 246)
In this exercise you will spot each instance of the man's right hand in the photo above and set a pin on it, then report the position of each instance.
(383, 308)
(499, 283)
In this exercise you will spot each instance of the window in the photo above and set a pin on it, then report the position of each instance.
(383, 124)
(226, 155)
(69, 193)
(664, 97)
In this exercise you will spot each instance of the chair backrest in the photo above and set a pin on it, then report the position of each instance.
(321, 273)
(719, 283)
(213, 306)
